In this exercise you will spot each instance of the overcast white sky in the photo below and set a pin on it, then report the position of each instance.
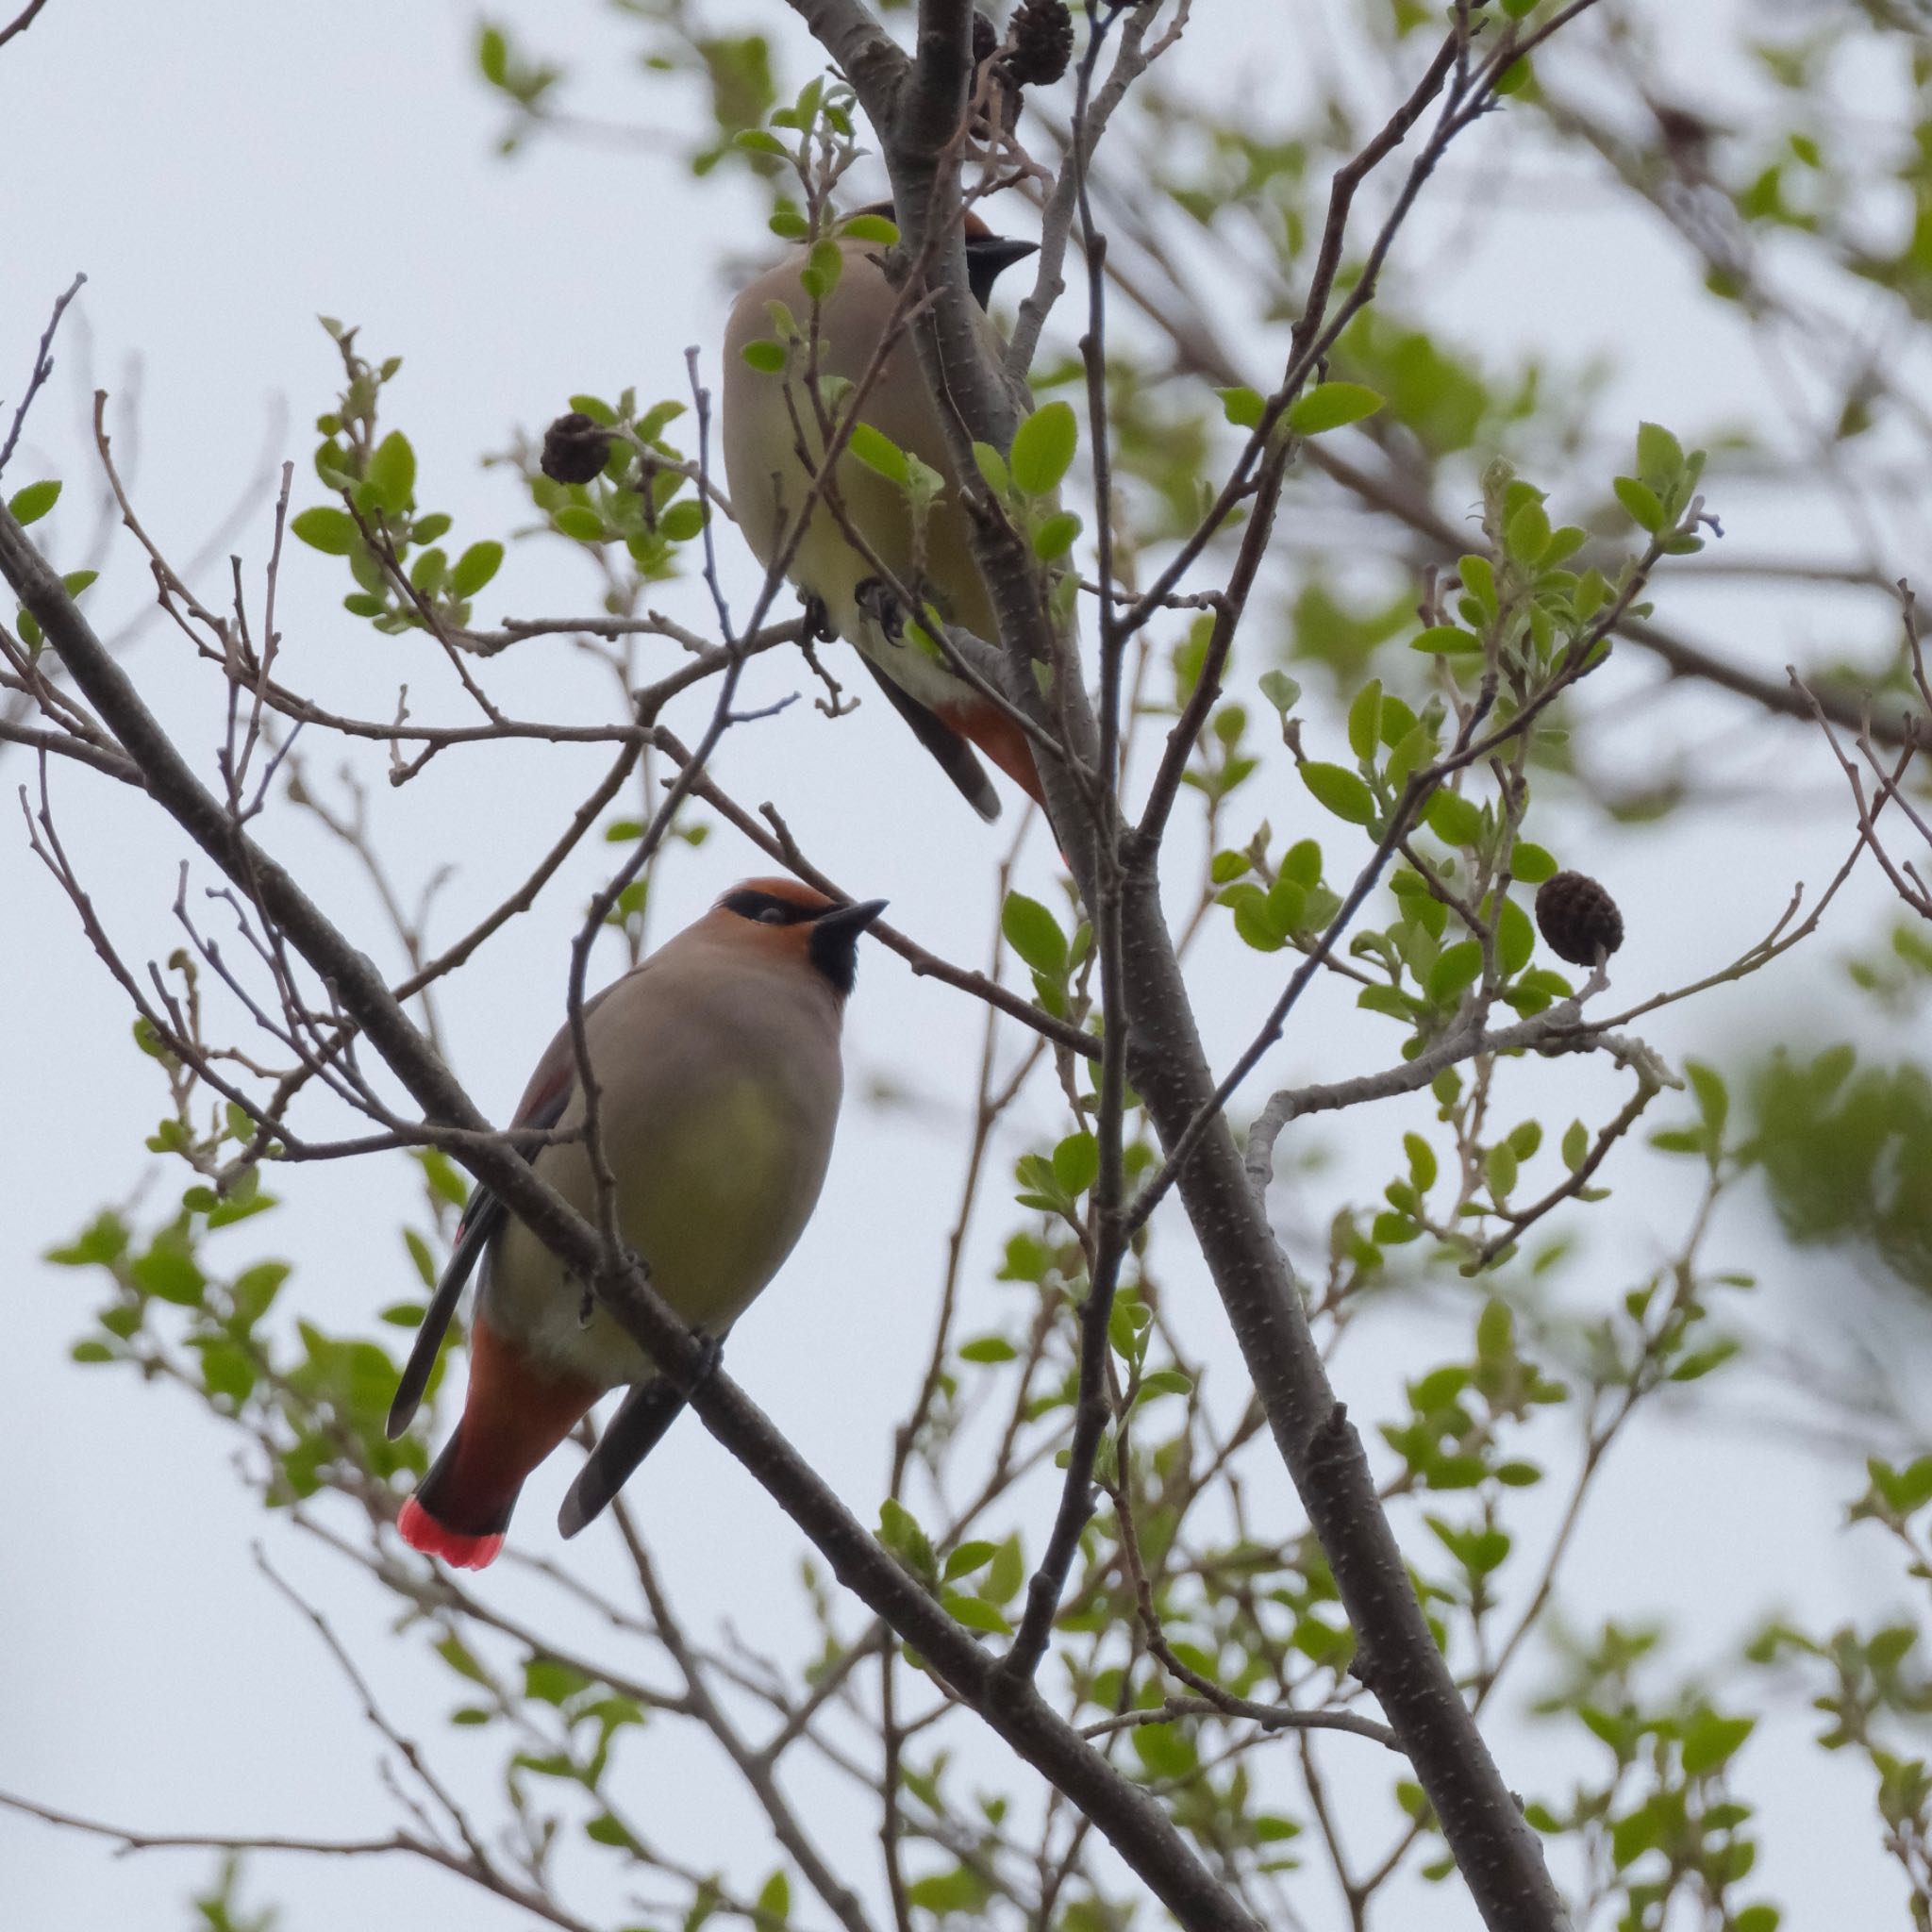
(223, 172)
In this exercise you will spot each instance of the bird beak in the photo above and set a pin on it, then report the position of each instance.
(852, 919)
(988, 256)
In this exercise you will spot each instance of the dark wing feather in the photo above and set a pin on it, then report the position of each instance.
(482, 1221)
(956, 757)
(637, 1428)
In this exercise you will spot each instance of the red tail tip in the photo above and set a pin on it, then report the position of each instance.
(422, 1531)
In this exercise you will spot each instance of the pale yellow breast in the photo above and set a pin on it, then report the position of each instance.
(720, 1096)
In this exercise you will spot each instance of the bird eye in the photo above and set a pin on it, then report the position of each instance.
(772, 915)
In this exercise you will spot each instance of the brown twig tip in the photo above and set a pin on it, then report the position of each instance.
(1043, 34)
(1578, 918)
(574, 448)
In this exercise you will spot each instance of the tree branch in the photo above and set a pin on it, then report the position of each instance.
(1132, 1821)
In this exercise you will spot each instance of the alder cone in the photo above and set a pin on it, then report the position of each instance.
(1042, 42)
(1577, 918)
(574, 447)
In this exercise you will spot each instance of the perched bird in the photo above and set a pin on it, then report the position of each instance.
(765, 415)
(718, 1076)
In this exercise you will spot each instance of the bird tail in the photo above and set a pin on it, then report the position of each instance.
(461, 1521)
(1001, 740)
(514, 1415)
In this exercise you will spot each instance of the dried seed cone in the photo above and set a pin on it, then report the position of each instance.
(1042, 42)
(986, 39)
(574, 448)
(1577, 918)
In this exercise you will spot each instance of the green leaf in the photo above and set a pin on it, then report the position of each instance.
(975, 1612)
(253, 1291)
(443, 1176)
(1164, 1750)
(1457, 968)
(987, 1348)
(168, 1270)
(392, 474)
(92, 1352)
(331, 531)
(1054, 536)
(1515, 938)
(1499, 1170)
(1660, 456)
(961, 1889)
(874, 228)
(967, 1559)
(993, 468)
(767, 357)
(1043, 448)
(30, 505)
(1280, 690)
(1330, 407)
(577, 520)
(1713, 1100)
(1443, 639)
(475, 568)
(1453, 819)
(878, 452)
(1165, 1382)
(1641, 502)
(775, 1897)
(1421, 1162)
(104, 1239)
(1385, 999)
(1365, 719)
(1341, 792)
(1575, 1145)
(550, 1682)
(1008, 1572)
(605, 1830)
(900, 1532)
(1035, 934)
(683, 521)
(1243, 407)
(420, 1255)
(1710, 1740)
(1076, 1163)
(1531, 863)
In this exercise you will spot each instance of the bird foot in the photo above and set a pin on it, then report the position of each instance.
(878, 603)
(710, 1352)
(817, 622)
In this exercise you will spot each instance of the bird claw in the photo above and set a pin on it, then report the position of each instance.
(878, 603)
(816, 623)
(710, 1352)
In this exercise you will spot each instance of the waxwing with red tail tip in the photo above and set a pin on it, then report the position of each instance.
(718, 1076)
(769, 408)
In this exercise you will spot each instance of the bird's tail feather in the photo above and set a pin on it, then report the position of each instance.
(465, 1529)
(514, 1415)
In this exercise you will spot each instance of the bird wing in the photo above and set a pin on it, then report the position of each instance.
(639, 1425)
(542, 1106)
(956, 757)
